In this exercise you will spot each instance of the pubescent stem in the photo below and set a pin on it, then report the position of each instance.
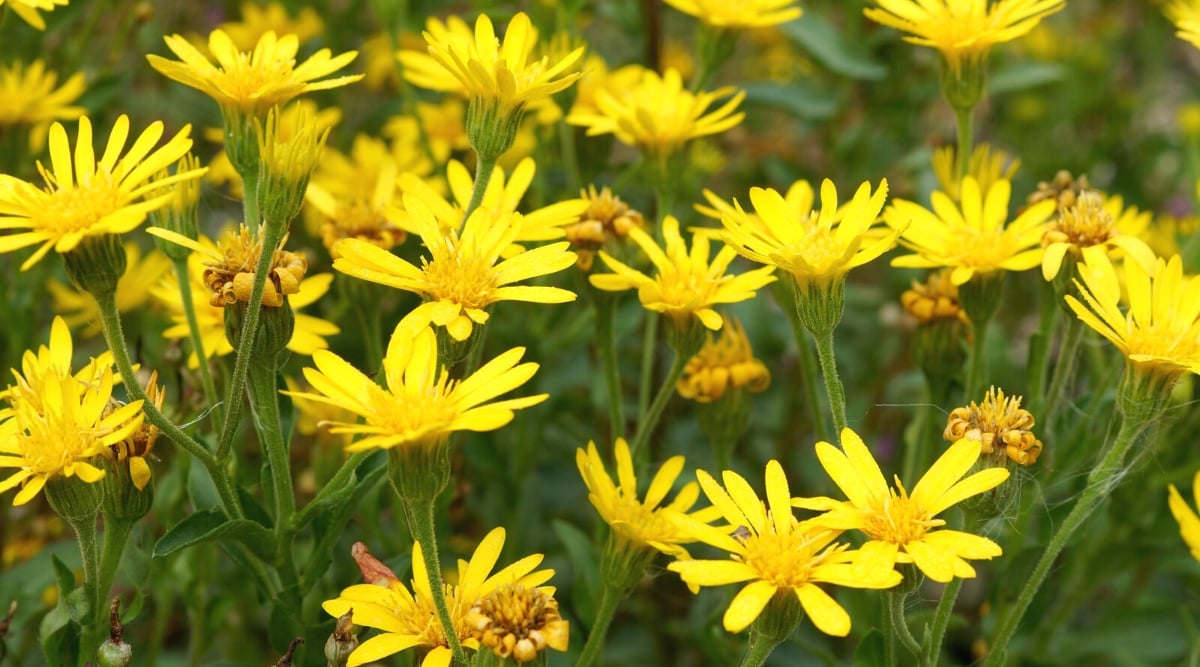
(833, 383)
(1039, 349)
(250, 199)
(807, 359)
(89, 555)
(264, 399)
(610, 598)
(898, 627)
(646, 378)
(116, 535)
(484, 166)
(189, 309)
(421, 523)
(647, 424)
(932, 649)
(110, 319)
(270, 238)
(606, 340)
(335, 484)
(759, 649)
(1064, 370)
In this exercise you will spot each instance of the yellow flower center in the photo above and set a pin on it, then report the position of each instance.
(518, 622)
(231, 279)
(1085, 224)
(783, 560)
(360, 220)
(897, 519)
(998, 422)
(411, 414)
(246, 78)
(1163, 341)
(78, 208)
(981, 250)
(467, 279)
(421, 620)
(637, 523)
(818, 252)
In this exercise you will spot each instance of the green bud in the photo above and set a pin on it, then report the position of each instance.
(96, 265)
(275, 327)
(122, 499)
(74, 499)
(420, 472)
(491, 129)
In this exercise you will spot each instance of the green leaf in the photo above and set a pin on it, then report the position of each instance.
(585, 561)
(1022, 76)
(799, 101)
(212, 525)
(63, 576)
(824, 41)
(59, 636)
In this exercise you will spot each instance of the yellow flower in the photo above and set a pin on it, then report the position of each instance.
(461, 278)
(28, 96)
(1189, 523)
(85, 197)
(932, 300)
(752, 14)
(68, 424)
(354, 195)
(606, 218)
(1168, 233)
(502, 197)
(813, 246)
(1161, 330)
(133, 290)
(135, 448)
(998, 422)
(901, 527)
(408, 620)
(970, 237)
(774, 553)
(962, 30)
(311, 416)
(252, 82)
(503, 75)
(519, 622)
(1095, 224)
(639, 524)
(686, 283)
(657, 114)
(986, 165)
(1185, 14)
(445, 127)
(421, 405)
(722, 365)
(258, 20)
(28, 10)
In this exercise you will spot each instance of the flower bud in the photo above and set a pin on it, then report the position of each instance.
(96, 265)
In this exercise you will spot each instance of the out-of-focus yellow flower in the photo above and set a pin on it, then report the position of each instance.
(1000, 424)
(724, 364)
(258, 20)
(445, 127)
(251, 83)
(408, 619)
(1185, 14)
(1166, 233)
(1189, 523)
(1161, 330)
(658, 115)
(752, 14)
(686, 283)
(354, 195)
(970, 237)
(80, 310)
(1095, 224)
(964, 31)
(86, 197)
(462, 277)
(55, 425)
(934, 299)
(313, 417)
(986, 165)
(28, 97)
(28, 10)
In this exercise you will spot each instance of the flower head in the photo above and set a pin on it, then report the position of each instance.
(28, 10)
(1189, 523)
(408, 619)
(28, 96)
(1095, 224)
(724, 364)
(752, 14)
(56, 423)
(250, 83)
(229, 279)
(962, 30)
(774, 554)
(986, 165)
(971, 237)
(901, 527)
(519, 622)
(420, 406)
(686, 284)
(87, 197)
(934, 299)
(462, 277)
(259, 19)
(658, 114)
(999, 424)
(1161, 330)
(606, 218)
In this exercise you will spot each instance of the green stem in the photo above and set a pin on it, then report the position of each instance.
(570, 157)
(265, 402)
(421, 523)
(898, 628)
(977, 369)
(610, 598)
(189, 309)
(1064, 370)
(1101, 480)
(369, 320)
(932, 650)
(654, 413)
(250, 199)
(806, 359)
(89, 554)
(833, 384)
(336, 483)
(606, 340)
(759, 649)
(110, 319)
(241, 367)
(484, 166)
(1039, 350)
(962, 158)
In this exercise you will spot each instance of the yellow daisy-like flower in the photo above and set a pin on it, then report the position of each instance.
(252, 82)
(934, 299)
(408, 619)
(970, 237)
(518, 622)
(813, 246)
(775, 554)
(56, 422)
(658, 114)
(28, 10)
(1189, 523)
(461, 278)
(421, 405)
(503, 75)
(259, 19)
(962, 30)
(722, 365)
(640, 524)
(133, 290)
(752, 14)
(901, 527)
(85, 197)
(986, 165)
(1185, 14)
(28, 96)
(354, 195)
(1095, 224)
(686, 284)
(445, 127)
(1161, 330)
